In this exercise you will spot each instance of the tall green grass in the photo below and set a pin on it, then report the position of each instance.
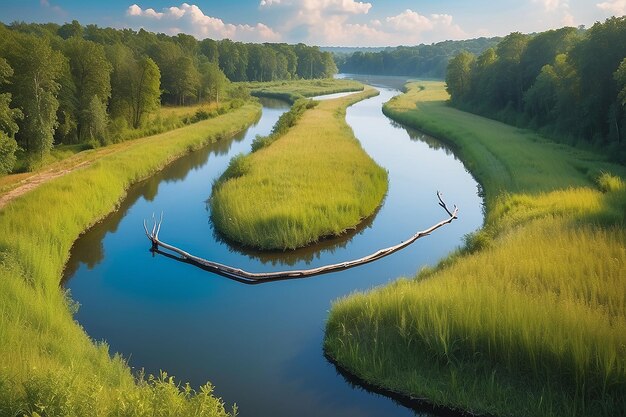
(48, 365)
(315, 181)
(529, 319)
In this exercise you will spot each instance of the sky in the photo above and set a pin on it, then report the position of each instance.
(322, 22)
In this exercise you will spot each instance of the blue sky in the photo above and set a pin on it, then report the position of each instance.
(322, 22)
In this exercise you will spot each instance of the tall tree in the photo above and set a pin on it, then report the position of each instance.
(8, 125)
(459, 75)
(135, 85)
(91, 73)
(213, 82)
(145, 82)
(596, 57)
(37, 68)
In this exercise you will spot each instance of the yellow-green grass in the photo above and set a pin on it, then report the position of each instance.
(313, 182)
(530, 318)
(295, 89)
(48, 365)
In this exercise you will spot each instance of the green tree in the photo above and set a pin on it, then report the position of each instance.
(620, 105)
(620, 78)
(69, 30)
(35, 86)
(213, 82)
(596, 58)
(507, 78)
(135, 85)
(209, 48)
(145, 82)
(95, 121)
(91, 73)
(8, 125)
(459, 76)
(542, 49)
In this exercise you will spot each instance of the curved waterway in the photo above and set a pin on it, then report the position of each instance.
(261, 345)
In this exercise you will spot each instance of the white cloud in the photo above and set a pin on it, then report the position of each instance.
(559, 7)
(56, 9)
(192, 20)
(549, 5)
(416, 28)
(319, 6)
(568, 19)
(616, 7)
(336, 22)
(408, 21)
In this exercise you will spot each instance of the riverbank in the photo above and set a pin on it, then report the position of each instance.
(315, 181)
(49, 365)
(529, 318)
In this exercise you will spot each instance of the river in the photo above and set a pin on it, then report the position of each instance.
(261, 345)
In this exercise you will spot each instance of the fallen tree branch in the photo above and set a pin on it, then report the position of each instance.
(257, 277)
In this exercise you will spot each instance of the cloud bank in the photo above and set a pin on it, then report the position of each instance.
(616, 7)
(318, 22)
(191, 19)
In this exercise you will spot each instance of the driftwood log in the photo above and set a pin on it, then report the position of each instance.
(258, 277)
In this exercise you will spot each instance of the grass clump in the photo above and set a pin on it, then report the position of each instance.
(48, 365)
(286, 121)
(316, 181)
(530, 318)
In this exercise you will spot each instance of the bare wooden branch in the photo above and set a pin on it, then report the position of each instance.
(255, 277)
(445, 207)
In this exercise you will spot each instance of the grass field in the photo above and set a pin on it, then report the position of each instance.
(292, 90)
(529, 319)
(314, 181)
(48, 365)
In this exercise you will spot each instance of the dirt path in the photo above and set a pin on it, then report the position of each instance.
(16, 185)
(33, 181)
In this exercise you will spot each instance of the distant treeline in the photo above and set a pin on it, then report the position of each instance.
(80, 84)
(425, 61)
(569, 83)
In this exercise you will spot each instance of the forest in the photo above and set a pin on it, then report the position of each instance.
(424, 61)
(75, 84)
(567, 83)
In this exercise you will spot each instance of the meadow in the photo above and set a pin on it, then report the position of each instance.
(50, 366)
(529, 317)
(313, 181)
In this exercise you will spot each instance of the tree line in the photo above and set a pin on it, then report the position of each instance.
(77, 84)
(569, 83)
(425, 61)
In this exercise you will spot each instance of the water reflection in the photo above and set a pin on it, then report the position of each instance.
(305, 255)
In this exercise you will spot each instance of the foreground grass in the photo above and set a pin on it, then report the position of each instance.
(48, 365)
(529, 319)
(315, 181)
(293, 90)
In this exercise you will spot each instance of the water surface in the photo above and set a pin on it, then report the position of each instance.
(260, 345)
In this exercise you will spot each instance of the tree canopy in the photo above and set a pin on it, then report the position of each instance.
(570, 83)
(69, 83)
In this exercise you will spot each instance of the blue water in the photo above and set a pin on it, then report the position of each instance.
(260, 345)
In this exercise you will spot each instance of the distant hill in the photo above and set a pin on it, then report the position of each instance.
(425, 61)
(349, 50)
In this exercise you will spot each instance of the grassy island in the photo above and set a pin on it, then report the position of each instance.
(315, 181)
(50, 367)
(529, 318)
(293, 90)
